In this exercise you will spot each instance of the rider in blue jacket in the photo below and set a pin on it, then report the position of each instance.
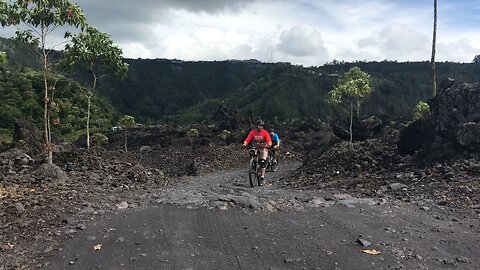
(275, 139)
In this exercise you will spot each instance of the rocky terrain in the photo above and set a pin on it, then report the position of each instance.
(435, 158)
(375, 168)
(42, 205)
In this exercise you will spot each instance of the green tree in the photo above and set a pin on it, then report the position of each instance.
(125, 123)
(37, 20)
(93, 50)
(3, 59)
(350, 91)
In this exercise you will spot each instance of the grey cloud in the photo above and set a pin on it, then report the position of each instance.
(209, 6)
(153, 10)
(301, 41)
(128, 20)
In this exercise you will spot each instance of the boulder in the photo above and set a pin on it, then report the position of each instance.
(456, 103)
(226, 117)
(415, 136)
(27, 131)
(51, 172)
(468, 135)
(452, 127)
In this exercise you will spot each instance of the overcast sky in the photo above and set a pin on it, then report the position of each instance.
(306, 32)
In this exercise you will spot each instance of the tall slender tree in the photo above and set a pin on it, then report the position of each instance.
(36, 22)
(93, 50)
(125, 123)
(434, 43)
(351, 90)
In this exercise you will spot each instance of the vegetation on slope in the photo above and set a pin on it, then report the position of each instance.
(21, 95)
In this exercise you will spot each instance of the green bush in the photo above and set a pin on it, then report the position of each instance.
(193, 133)
(224, 134)
(100, 138)
(20, 144)
(421, 110)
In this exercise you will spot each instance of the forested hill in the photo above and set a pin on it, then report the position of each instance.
(191, 91)
(160, 89)
(21, 96)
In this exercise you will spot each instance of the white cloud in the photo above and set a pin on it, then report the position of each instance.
(301, 41)
(397, 42)
(209, 44)
(461, 49)
(134, 50)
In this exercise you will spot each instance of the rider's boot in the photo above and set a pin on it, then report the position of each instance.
(262, 179)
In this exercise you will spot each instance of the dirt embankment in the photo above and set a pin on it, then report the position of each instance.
(435, 158)
(375, 168)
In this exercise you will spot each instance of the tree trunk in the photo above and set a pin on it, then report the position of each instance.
(126, 140)
(48, 146)
(434, 40)
(358, 108)
(351, 124)
(48, 141)
(88, 120)
(89, 97)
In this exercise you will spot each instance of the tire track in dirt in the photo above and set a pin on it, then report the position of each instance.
(217, 222)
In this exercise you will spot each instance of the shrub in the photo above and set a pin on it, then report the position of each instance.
(421, 110)
(100, 138)
(224, 134)
(193, 133)
(20, 144)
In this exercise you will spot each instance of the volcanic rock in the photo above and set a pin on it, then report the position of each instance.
(51, 172)
(27, 131)
(454, 120)
(226, 117)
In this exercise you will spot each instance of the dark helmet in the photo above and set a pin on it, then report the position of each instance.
(260, 122)
(272, 130)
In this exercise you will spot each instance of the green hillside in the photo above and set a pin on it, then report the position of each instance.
(22, 97)
(287, 91)
(158, 87)
(158, 90)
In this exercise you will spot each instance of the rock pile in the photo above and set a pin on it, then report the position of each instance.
(437, 157)
(376, 168)
(452, 128)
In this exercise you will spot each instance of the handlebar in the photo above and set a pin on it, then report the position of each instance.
(257, 146)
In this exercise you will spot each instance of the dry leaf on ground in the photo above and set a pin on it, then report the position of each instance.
(371, 251)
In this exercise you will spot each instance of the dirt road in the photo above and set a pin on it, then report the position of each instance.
(218, 222)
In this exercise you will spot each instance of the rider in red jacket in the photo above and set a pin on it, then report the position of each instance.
(261, 139)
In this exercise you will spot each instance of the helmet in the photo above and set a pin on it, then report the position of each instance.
(272, 130)
(260, 122)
